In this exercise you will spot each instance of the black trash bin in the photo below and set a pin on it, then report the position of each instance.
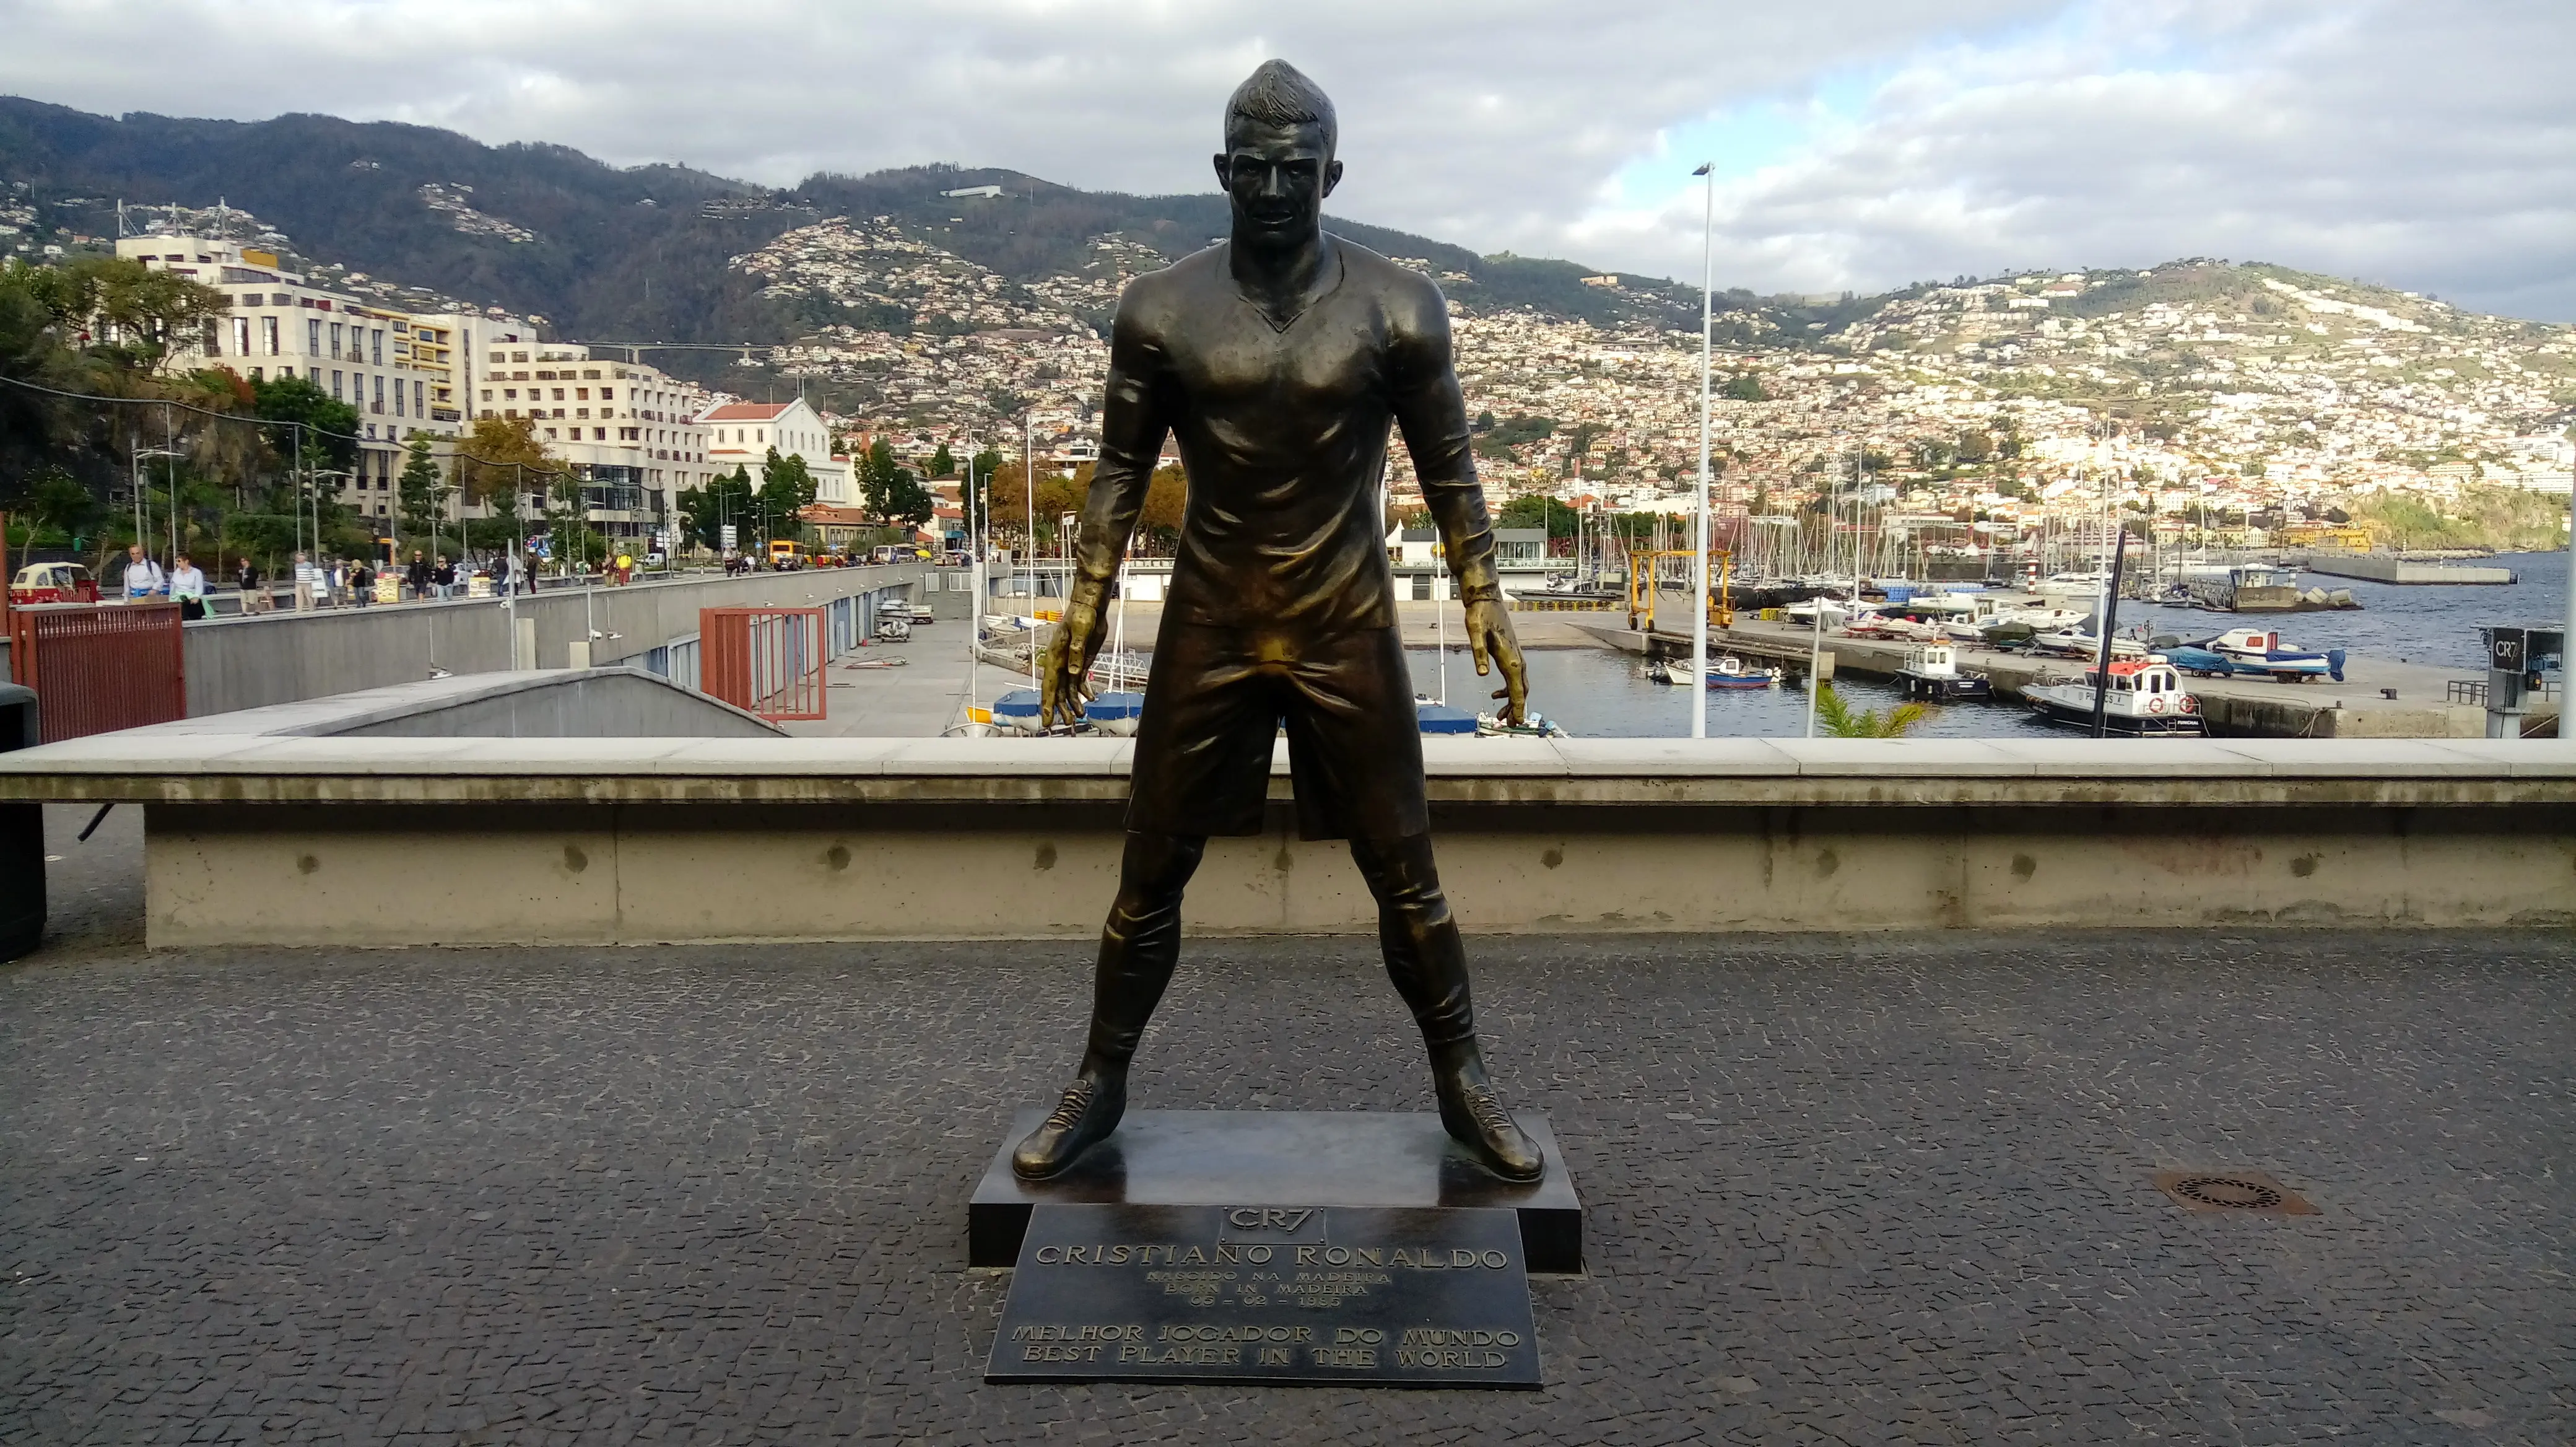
(22, 836)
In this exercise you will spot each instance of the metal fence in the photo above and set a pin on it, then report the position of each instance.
(100, 667)
(766, 660)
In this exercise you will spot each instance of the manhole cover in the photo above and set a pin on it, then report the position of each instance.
(2240, 1193)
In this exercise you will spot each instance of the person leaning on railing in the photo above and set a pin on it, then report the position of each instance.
(143, 577)
(188, 586)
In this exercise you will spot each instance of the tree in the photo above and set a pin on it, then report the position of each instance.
(417, 491)
(1975, 446)
(1838, 721)
(724, 500)
(908, 502)
(1744, 387)
(1167, 505)
(326, 431)
(500, 454)
(1536, 510)
(878, 472)
(942, 464)
(786, 487)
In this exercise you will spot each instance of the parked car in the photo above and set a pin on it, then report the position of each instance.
(53, 583)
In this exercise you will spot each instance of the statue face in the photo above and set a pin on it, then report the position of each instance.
(1278, 177)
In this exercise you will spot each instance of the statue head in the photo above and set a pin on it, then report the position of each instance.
(1277, 165)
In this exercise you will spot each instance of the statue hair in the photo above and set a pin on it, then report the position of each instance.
(1279, 94)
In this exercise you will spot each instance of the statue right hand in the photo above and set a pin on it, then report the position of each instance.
(1064, 673)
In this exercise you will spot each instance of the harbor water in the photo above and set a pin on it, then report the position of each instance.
(1600, 693)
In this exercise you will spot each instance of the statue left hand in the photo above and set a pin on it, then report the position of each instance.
(1489, 634)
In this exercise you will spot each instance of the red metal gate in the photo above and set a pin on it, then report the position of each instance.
(766, 660)
(98, 668)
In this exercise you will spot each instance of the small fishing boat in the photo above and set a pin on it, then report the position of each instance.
(1436, 718)
(2260, 650)
(2145, 698)
(1016, 712)
(1931, 672)
(1724, 672)
(1535, 726)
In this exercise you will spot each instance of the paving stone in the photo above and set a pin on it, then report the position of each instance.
(1841, 1189)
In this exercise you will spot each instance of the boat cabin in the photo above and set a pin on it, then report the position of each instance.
(2144, 677)
(1932, 660)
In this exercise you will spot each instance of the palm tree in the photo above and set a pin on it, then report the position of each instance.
(1838, 721)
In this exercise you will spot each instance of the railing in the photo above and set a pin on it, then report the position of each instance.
(768, 661)
(100, 667)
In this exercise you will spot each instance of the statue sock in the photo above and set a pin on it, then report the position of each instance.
(1428, 963)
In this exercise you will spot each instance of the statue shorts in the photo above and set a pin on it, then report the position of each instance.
(1219, 697)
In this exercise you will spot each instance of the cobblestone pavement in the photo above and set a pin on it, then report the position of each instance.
(1842, 1189)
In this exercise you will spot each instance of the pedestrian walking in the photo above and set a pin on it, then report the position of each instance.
(143, 577)
(444, 576)
(362, 583)
(188, 586)
(417, 576)
(308, 579)
(254, 589)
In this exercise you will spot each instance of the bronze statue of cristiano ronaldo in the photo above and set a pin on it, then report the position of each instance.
(1278, 359)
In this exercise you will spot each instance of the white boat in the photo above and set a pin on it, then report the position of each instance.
(2145, 698)
(2075, 643)
(1724, 672)
(1803, 612)
(1931, 671)
(2261, 650)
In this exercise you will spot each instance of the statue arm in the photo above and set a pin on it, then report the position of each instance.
(1132, 429)
(1432, 413)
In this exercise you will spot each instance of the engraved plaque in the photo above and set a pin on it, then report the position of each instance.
(1369, 1296)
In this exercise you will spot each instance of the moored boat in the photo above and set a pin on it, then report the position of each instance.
(2145, 698)
(1931, 672)
(2260, 650)
(1724, 672)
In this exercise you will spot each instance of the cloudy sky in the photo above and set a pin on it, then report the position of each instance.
(1858, 143)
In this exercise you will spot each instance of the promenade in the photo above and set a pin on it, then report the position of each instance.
(1842, 1189)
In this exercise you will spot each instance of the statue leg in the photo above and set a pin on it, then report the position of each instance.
(1428, 963)
(1139, 946)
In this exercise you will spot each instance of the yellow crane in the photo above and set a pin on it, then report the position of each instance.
(1642, 581)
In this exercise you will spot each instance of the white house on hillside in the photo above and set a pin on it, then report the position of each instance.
(742, 433)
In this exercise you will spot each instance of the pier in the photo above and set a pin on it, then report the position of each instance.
(2378, 699)
(2380, 568)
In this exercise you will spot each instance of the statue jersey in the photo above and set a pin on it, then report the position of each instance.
(1282, 425)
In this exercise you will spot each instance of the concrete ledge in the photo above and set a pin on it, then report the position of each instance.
(391, 841)
(557, 703)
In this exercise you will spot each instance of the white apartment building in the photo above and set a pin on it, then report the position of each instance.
(404, 373)
(628, 431)
(742, 433)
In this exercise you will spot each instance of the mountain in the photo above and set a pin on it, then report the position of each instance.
(641, 253)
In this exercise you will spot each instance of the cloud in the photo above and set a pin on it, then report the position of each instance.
(2425, 147)
(1862, 143)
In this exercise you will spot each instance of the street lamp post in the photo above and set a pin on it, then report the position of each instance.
(1029, 475)
(1699, 524)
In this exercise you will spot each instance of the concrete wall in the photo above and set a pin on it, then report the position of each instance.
(236, 663)
(393, 841)
(541, 704)
(641, 874)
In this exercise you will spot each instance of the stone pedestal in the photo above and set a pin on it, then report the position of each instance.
(1280, 1158)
